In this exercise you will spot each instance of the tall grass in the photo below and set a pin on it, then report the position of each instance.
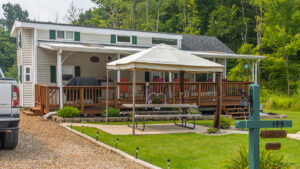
(272, 100)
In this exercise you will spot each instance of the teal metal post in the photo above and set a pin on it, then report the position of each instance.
(254, 124)
(254, 91)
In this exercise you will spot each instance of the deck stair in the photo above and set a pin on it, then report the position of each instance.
(35, 109)
(28, 113)
(237, 112)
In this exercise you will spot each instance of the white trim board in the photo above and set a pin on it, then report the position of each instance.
(105, 31)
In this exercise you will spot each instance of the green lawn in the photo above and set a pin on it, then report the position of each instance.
(193, 151)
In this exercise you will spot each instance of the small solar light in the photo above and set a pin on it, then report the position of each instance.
(169, 161)
(71, 126)
(97, 135)
(82, 129)
(136, 152)
(117, 141)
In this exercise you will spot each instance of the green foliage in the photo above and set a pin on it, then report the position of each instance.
(212, 130)
(157, 99)
(272, 101)
(238, 159)
(112, 112)
(225, 123)
(11, 13)
(68, 112)
(7, 50)
(193, 111)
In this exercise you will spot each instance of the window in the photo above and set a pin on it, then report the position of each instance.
(60, 34)
(69, 35)
(165, 41)
(27, 74)
(67, 73)
(123, 39)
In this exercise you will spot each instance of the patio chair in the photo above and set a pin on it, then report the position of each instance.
(124, 88)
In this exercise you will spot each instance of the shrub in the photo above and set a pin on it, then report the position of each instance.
(112, 112)
(193, 111)
(212, 130)
(238, 159)
(157, 99)
(225, 123)
(68, 112)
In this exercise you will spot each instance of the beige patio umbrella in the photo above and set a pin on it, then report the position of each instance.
(161, 58)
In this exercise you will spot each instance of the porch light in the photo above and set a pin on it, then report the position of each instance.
(82, 129)
(136, 152)
(97, 135)
(169, 162)
(117, 141)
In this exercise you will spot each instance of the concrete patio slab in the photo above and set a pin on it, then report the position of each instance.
(168, 128)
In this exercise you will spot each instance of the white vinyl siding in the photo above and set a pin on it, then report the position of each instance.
(27, 90)
(46, 58)
(96, 38)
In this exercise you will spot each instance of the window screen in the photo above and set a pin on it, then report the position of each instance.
(123, 39)
(164, 41)
(60, 34)
(69, 35)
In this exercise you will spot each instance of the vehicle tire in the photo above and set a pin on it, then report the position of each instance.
(10, 139)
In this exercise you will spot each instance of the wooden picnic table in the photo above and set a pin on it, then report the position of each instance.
(182, 115)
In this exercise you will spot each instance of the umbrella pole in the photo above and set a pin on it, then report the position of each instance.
(181, 80)
(133, 100)
(106, 114)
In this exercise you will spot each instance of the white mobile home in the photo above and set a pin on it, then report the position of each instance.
(81, 51)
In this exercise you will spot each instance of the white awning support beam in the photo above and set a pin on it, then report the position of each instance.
(59, 77)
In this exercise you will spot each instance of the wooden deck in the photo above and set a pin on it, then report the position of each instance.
(91, 99)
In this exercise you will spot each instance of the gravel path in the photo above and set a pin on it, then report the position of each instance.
(45, 144)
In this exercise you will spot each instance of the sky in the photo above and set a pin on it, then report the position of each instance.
(47, 10)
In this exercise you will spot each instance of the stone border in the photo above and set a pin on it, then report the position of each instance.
(120, 119)
(112, 149)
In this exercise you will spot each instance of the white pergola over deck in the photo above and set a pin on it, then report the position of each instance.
(163, 58)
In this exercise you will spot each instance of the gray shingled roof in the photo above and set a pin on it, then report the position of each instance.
(203, 43)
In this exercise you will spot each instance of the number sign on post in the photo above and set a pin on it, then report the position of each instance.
(254, 124)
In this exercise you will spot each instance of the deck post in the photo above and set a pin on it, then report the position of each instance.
(173, 92)
(219, 101)
(116, 96)
(118, 78)
(133, 100)
(107, 99)
(81, 99)
(252, 71)
(256, 72)
(199, 94)
(59, 77)
(47, 108)
(225, 69)
(181, 80)
(214, 74)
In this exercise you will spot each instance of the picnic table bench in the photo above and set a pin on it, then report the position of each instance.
(143, 114)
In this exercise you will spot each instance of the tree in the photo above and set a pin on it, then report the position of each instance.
(280, 35)
(7, 51)
(12, 12)
(73, 13)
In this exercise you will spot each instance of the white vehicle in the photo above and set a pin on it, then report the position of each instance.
(9, 112)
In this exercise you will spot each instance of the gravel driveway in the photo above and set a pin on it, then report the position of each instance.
(45, 144)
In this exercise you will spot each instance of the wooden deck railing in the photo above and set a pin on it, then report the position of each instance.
(91, 99)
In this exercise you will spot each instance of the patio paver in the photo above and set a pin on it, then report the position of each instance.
(168, 128)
